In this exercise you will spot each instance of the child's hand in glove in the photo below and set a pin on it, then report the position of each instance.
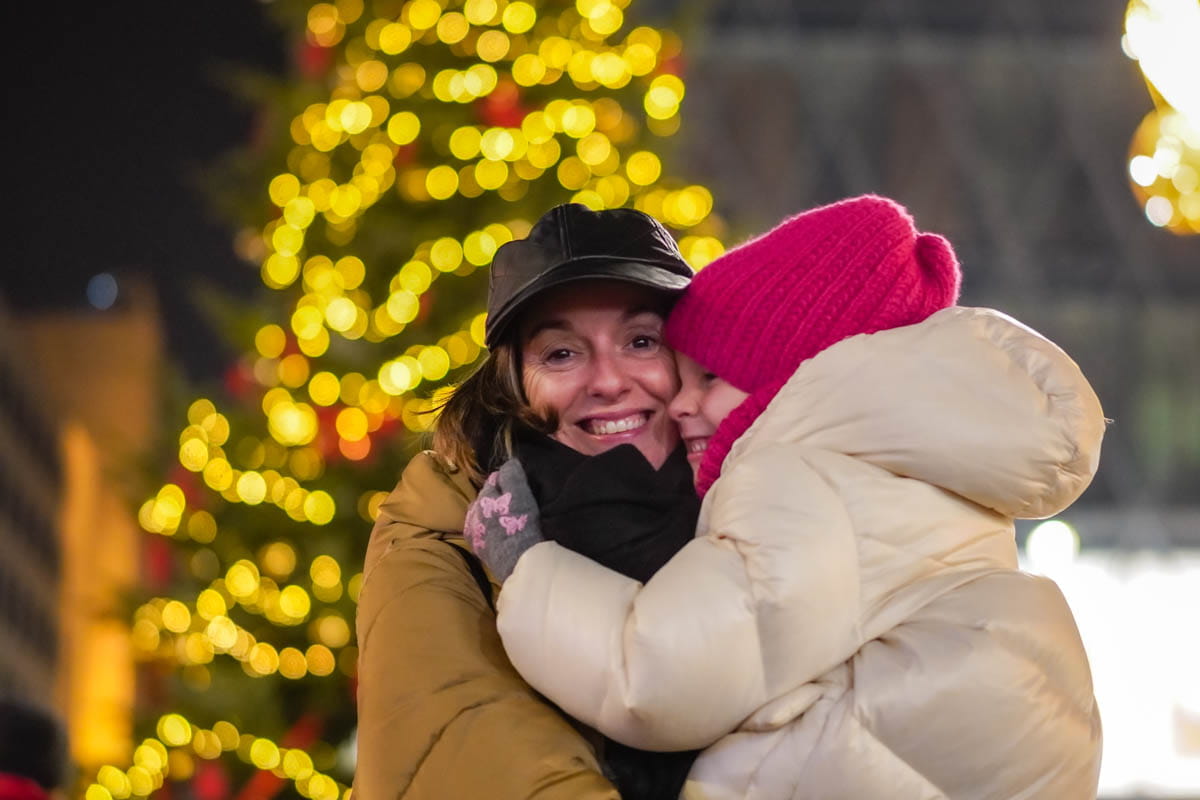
(502, 523)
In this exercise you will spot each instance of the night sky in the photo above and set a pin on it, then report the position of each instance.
(113, 110)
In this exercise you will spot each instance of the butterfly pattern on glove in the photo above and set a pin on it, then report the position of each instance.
(502, 522)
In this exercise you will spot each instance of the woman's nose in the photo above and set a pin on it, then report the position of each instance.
(607, 378)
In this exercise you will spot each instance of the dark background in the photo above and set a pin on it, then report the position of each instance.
(113, 113)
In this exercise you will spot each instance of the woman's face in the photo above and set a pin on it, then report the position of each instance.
(593, 353)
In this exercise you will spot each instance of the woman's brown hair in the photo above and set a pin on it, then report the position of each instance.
(474, 428)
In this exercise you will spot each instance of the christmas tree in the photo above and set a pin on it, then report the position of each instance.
(413, 138)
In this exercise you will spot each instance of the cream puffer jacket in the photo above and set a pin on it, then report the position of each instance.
(849, 621)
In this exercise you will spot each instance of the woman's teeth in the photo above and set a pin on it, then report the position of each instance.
(603, 427)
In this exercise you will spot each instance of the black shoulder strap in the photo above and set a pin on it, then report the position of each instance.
(479, 575)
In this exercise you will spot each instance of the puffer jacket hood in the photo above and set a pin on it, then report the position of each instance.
(969, 400)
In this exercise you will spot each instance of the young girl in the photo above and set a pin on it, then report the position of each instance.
(849, 621)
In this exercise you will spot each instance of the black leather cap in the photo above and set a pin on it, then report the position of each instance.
(571, 243)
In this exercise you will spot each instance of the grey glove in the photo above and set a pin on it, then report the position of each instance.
(502, 523)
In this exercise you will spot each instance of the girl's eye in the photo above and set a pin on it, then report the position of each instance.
(708, 378)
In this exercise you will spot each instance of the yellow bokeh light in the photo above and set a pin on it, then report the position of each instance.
(371, 75)
(453, 27)
(320, 660)
(287, 240)
(325, 571)
(478, 248)
(341, 314)
(278, 558)
(441, 182)
(202, 527)
(264, 754)
(477, 328)
(97, 792)
(151, 755)
(200, 410)
(573, 173)
(609, 20)
(491, 174)
(252, 488)
(480, 12)
(174, 730)
(640, 58)
(333, 631)
(594, 149)
(464, 142)
(299, 212)
(242, 579)
(270, 341)
(193, 455)
(263, 659)
(519, 17)
(351, 423)
(211, 604)
(292, 424)
(528, 69)
(218, 474)
(293, 369)
(114, 780)
(578, 120)
(222, 632)
(435, 363)
(403, 306)
(493, 45)
(446, 254)
(496, 144)
(395, 38)
(324, 388)
(295, 602)
(403, 127)
(293, 666)
(319, 508)
(140, 781)
(176, 617)
(283, 188)
(643, 168)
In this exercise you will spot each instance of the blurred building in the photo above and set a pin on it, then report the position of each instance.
(1008, 128)
(79, 416)
(31, 487)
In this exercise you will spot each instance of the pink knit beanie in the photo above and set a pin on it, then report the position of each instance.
(754, 314)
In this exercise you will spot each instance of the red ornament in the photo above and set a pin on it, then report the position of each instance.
(406, 154)
(312, 60)
(502, 108)
(156, 556)
(670, 66)
(239, 379)
(189, 482)
(211, 781)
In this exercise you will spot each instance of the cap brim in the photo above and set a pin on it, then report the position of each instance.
(648, 275)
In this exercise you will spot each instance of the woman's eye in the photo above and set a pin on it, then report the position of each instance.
(643, 342)
(558, 355)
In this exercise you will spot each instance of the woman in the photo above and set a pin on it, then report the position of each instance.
(576, 368)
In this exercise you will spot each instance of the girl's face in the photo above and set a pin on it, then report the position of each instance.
(703, 401)
(593, 354)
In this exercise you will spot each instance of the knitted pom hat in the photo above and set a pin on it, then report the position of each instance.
(756, 313)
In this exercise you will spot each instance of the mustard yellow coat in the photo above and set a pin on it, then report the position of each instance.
(442, 713)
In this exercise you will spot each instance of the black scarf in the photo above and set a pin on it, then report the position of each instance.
(617, 510)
